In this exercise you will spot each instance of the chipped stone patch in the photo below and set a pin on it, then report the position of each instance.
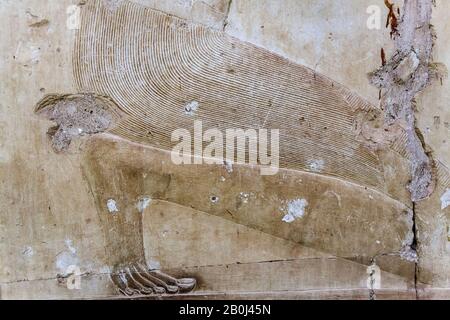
(28, 252)
(228, 166)
(295, 210)
(34, 21)
(409, 71)
(112, 206)
(316, 166)
(244, 197)
(143, 203)
(77, 115)
(409, 254)
(191, 108)
(39, 24)
(288, 218)
(214, 199)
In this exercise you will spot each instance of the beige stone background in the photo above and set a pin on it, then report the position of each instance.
(48, 215)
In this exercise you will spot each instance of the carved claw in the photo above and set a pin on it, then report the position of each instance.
(137, 279)
(184, 285)
(121, 282)
(142, 271)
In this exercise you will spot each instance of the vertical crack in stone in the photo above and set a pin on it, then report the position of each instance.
(414, 247)
(409, 71)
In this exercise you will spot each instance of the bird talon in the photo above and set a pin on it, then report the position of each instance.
(136, 279)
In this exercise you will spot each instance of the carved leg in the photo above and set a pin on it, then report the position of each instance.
(122, 229)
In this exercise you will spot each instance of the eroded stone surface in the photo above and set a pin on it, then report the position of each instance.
(407, 73)
(77, 115)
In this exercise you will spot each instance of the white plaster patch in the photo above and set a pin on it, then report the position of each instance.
(244, 197)
(445, 200)
(112, 206)
(191, 108)
(70, 246)
(143, 203)
(288, 218)
(64, 260)
(228, 166)
(295, 210)
(316, 165)
(28, 252)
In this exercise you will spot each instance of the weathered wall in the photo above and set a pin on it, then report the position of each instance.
(53, 206)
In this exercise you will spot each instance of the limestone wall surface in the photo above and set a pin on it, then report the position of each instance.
(114, 201)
